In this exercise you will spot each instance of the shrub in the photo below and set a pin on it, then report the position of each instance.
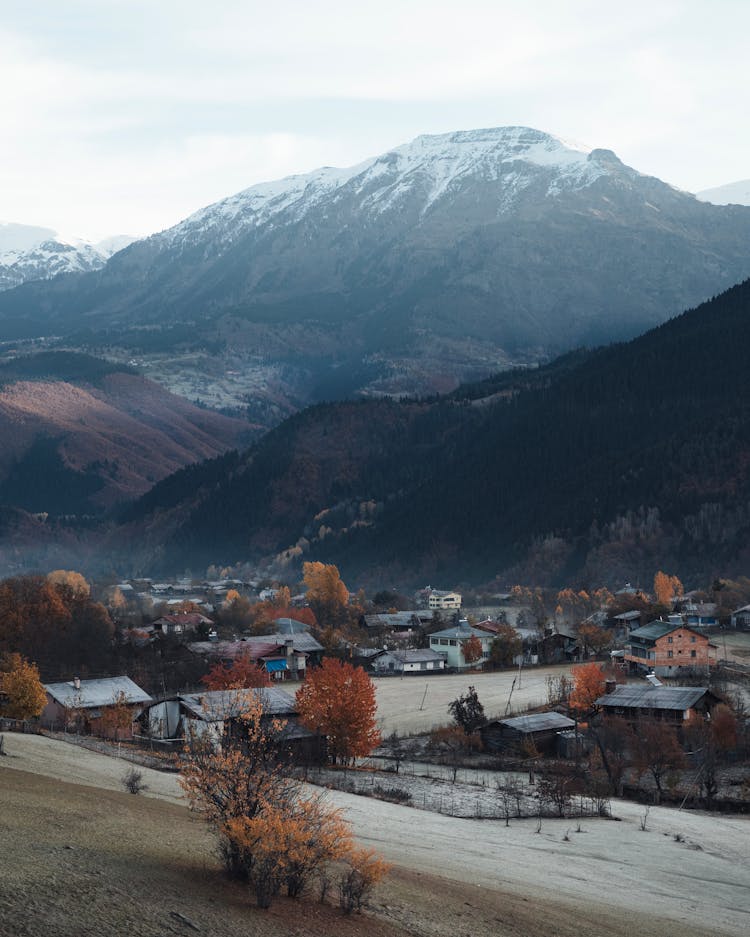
(132, 781)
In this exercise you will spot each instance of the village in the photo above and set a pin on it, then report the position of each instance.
(509, 710)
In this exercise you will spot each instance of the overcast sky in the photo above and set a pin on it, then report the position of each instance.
(123, 116)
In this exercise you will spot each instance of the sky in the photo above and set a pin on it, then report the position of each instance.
(124, 116)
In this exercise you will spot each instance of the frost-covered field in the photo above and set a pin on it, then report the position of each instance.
(417, 704)
(687, 868)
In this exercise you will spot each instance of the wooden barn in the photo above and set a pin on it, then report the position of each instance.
(538, 731)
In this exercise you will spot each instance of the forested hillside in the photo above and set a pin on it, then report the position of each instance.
(598, 466)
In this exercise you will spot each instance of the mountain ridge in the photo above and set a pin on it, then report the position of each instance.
(441, 261)
(599, 467)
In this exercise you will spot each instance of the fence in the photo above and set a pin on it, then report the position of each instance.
(20, 725)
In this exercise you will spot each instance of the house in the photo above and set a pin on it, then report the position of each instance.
(215, 716)
(536, 732)
(398, 624)
(741, 618)
(700, 614)
(283, 655)
(412, 661)
(441, 600)
(634, 701)
(625, 622)
(665, 648)
(450, 642)
(180, 623)
(94, 706)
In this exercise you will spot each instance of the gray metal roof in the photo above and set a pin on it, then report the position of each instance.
(654, 630)
(290, 626)
(538, 722)
(640, 696)
(461, 634)
(218, 705)
(391, 620)
(303, 641)
(416, 656)
(96, 692)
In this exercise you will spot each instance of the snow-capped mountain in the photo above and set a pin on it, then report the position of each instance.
(430, 167)
(733, 193)
(29, 252)
(448, 257)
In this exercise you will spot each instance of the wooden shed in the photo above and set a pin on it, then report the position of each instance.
(537, 729)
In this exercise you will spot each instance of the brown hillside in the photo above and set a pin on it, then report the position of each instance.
(141, 430)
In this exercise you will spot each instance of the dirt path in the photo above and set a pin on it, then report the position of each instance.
(452, 876)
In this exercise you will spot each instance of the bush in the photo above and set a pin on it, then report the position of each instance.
(365, 870)
(132, 781)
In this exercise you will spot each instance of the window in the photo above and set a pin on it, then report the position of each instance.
(693, 654)
(670, 653)
(692, 639)
(669, 640)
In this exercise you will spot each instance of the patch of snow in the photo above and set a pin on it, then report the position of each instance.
(428, 167)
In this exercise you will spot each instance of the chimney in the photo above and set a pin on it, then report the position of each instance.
(77, 683)
(289, 645)
(610, 686)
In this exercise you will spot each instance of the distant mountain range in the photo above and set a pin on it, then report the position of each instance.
(600, 467)
(734, 193)
(28, 252)
(446, 259)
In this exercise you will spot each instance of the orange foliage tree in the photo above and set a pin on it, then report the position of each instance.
(117, 717)
(242, 673)
(593, 637)
(289, 844)
(22, 690)
(326, 593)
(234, 782)
(338, 700)
(666, 588)
(472, 649)
(588, 686)
(271, 834)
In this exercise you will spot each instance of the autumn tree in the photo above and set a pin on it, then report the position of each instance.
(666, 588)
(272, 834)
(338, 700)
(657, 751)
(117, 717)
(326, 593)
(55, 624)
(242, 673)
(71, 580)
(239, 781)
(594, 638)
(505, 646)
(588, 686)
(711, 740)
(471, 648)
(22, 695)
(468, 712)
(289, 844)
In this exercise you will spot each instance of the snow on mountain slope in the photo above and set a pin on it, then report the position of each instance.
(429, 165)
(29, 252)
(733, 193)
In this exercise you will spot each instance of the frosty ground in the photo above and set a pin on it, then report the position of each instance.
(687, 874)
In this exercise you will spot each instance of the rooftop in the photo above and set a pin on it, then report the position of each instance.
(94, 693)
(639, 696)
